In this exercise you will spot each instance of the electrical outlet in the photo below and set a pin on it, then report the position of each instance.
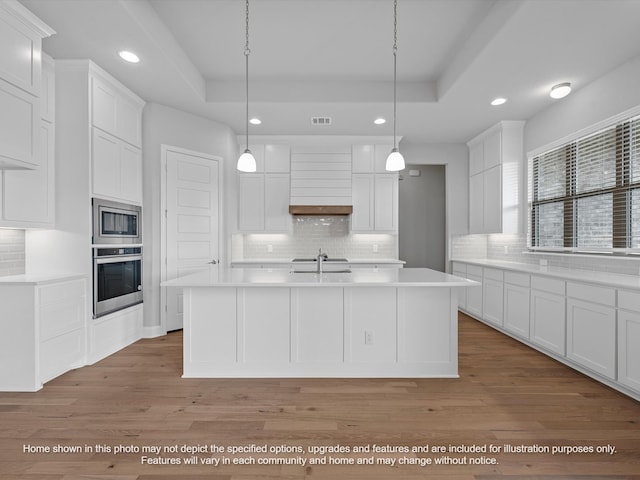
(375, 248)
(269, 248)
(368, 337)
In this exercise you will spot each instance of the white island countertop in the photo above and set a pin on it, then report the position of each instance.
(216, 276)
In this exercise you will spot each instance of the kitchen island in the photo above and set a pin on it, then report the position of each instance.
(241, 322)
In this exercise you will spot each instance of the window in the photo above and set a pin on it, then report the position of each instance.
(585, 195)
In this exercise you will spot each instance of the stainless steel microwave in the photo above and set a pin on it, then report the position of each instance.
(115, 222)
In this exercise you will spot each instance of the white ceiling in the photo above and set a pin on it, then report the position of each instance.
(334, 58)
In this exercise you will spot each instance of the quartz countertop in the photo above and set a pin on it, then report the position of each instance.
(352, 261)
(616, 280)
(39, 279)
(217, 276)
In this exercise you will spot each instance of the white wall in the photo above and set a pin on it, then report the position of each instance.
(166, 125)
(455, 158)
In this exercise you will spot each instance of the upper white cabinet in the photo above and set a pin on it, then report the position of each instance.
(116, 111)
(21, 35)
(28, 196)
(263, 204)
(375, 202)
(116, 156)
(369, 158)
(495, 175)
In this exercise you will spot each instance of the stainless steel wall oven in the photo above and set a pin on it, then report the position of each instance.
(117, 278)
(115, 222)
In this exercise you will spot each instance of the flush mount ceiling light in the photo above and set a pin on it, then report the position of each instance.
(128, 56)
(255, 121)
(380, 121)
(498, 101)
(246, 162)
(395, 160)
(561, 90)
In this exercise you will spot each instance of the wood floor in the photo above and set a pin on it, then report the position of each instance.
(506, 394)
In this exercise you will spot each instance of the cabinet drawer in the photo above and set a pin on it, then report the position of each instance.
(629, 300)
(61, 292)
(514, 278)
(493, 274)
(547, 284)
(474, 270)
(592, 293)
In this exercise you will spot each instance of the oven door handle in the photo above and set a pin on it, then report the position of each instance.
(117, 259)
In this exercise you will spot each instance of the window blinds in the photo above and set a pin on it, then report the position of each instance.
(585, 195)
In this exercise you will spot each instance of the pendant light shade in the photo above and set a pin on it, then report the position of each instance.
(395, 160)
(246, 161)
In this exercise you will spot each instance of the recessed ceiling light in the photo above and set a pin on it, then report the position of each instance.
(128, 56)
(561, 90)
(379, 121)
(498, 101)
(255, 121)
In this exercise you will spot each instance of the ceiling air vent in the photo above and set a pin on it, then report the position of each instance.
(320, 120)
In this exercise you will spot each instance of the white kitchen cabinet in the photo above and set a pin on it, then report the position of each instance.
(495, 177)
(28, 196)
(116, 168)
(264, 203)
(516, 303)
(460, 270)
(370, 158)
(21, 35)
(629, 339)
(475, 295)
(493, 298)
(548, 325)
(277, 158)
(591, 327)
(116, 110)
(48, 339)
(375, 202)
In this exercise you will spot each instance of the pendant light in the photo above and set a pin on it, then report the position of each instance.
(395, 160)
(247, 162)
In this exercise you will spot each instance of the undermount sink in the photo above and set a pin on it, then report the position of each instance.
(324, 271)
(343, 260)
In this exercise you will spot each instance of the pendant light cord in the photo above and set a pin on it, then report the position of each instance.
(246, 70)
(395, 55)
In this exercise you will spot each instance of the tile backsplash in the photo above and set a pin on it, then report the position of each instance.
(513, 248)
(12, 252)
(308, 234)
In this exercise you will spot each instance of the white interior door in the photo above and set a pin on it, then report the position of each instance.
(191, 221)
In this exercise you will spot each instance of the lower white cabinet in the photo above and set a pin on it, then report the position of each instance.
(547, 321)
(460, 270)
(516, 303)
(492, 296)
(43, 332)
(629, 339)
(474, 295)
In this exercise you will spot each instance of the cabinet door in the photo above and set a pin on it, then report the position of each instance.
(386, 202)
(277, 158)
(492, 200)
(628, 351)
(591, 336)
(130, 173)
(251, 204)
(362, 159)
(19, 128)
(493, 150)
(276, 203)
(548, 321)
(115, 113)
(476, 203)
(20, 50)
(29, 198)
(476, 158)
(460, 270)
(381, 152)
(105, 164)
(474, 297)
(516, 309)
(492, 301)
(362, 196)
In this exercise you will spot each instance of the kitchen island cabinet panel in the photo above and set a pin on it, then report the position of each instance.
(628, 348)
(317, 319)
(263, 325)
(371, 317)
